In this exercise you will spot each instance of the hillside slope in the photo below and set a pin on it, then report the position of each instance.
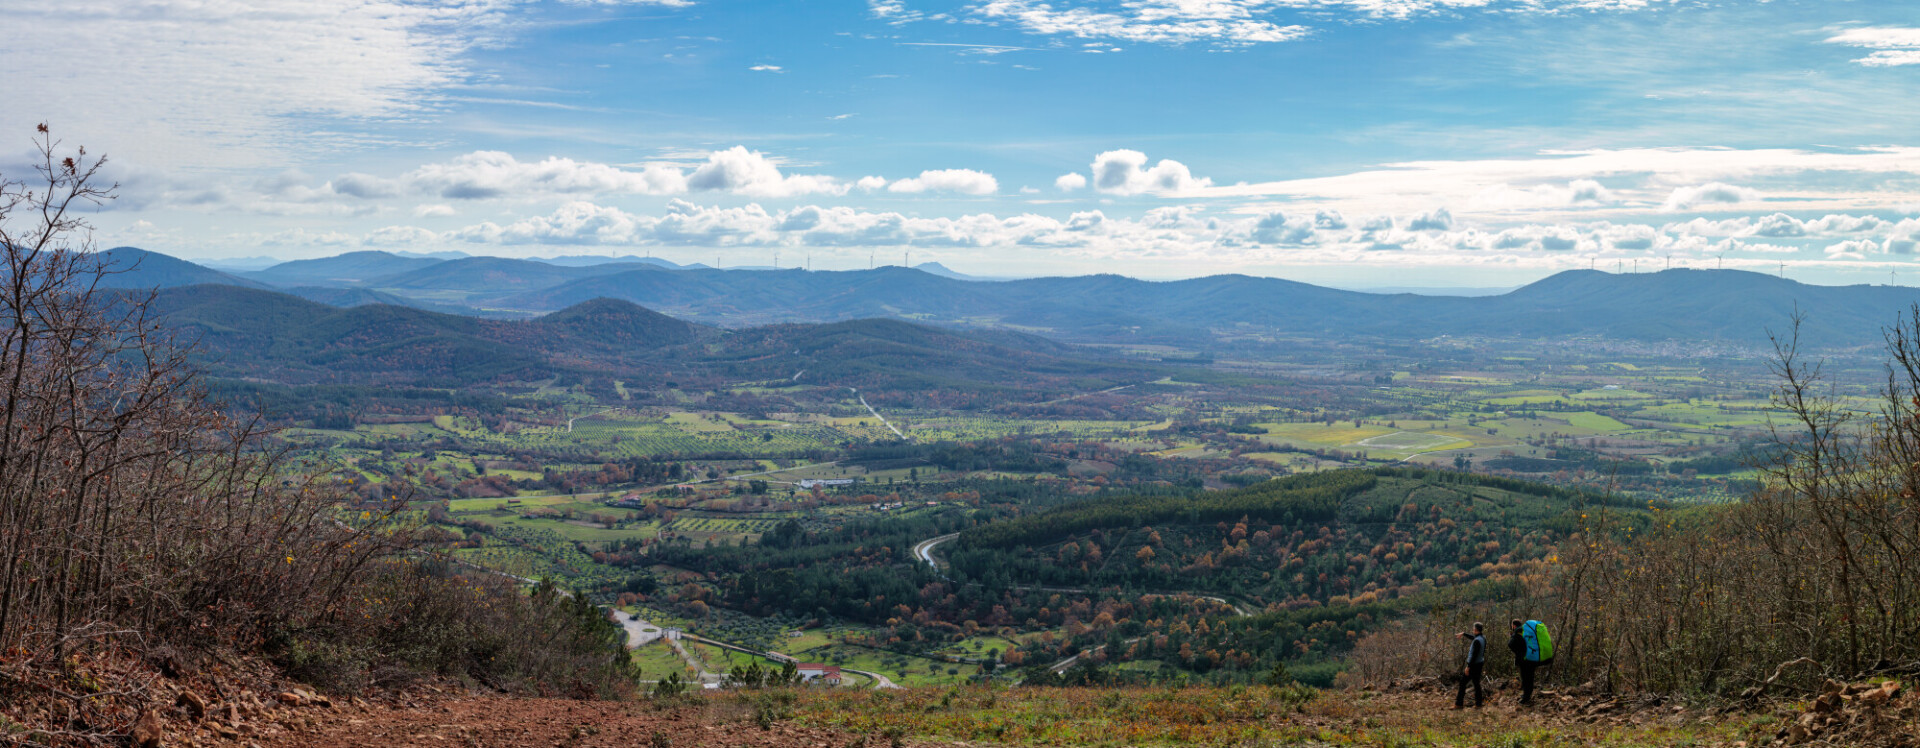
(350, 269)
(132, 267)
(1694, 307)
(267, 335)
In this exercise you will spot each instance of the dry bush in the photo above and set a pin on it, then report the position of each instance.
(136, 514)
(1823, 562)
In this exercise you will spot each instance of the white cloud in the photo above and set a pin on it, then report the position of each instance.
(869, 184)
(751, 173)
(963, 181)
(1577, 193)
(1892, 46)
(1229, 22)
(1178, 232)
(1712, 193)
(1439, 219)
(767, 69)
(1125, 172)
(892, 11)
(1852, 249)
(1279, 228)
(494, 174)
(1070, 182)
(399, 236)
(1638, 180)
(433, 211)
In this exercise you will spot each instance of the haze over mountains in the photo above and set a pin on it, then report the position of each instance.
(1724, 306)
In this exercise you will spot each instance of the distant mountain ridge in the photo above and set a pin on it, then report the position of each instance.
(263, 335)
(1707, 306)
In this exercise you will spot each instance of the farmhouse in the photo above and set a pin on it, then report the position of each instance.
(811, 672)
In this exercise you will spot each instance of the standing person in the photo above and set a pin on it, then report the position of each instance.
(1531, 647)
(1476, 665)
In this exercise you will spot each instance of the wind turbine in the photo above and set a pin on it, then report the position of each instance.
(1720, 261)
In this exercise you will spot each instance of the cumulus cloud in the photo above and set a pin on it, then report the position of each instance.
(1280, 228)
(1439, 219)
(433, 210)
(1711, 193)
(1852, 249)
(752, 173)
(962, 181)
(1070, 182)
(869, 184)
(1125, 172)
(1174, 231)
(492, 174)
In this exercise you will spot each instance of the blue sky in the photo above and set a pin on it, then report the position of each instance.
(1348, 142)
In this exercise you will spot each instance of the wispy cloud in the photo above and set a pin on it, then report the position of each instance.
(1892, 46)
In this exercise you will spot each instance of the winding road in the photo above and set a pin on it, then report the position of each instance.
(879, 681)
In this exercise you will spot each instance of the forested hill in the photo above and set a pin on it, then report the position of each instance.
(268, 336)
(1694, 306)
(1371, 534)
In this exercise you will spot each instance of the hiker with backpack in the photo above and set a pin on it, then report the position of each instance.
(1532, 648)
(1476, 665)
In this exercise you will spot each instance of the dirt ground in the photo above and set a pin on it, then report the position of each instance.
(528, 723)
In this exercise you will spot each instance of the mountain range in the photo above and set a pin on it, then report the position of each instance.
(262, 335)
(1723, 306)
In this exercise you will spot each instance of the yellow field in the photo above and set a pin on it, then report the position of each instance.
(1321, 434)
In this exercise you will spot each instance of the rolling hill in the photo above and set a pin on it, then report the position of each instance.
(263, 335)
(350, 269)
(488, 278)
(1689, 306)
(132, 267)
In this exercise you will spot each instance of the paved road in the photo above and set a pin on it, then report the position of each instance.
(876, 414)
(923, 550)
(879, 681)
(639, 633)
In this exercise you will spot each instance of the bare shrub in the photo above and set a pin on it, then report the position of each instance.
(137, 514)
(1822, 562)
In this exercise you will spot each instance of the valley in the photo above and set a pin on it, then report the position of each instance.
(944, 505)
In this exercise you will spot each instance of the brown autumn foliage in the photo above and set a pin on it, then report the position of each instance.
(1816, 574)
(138, 517)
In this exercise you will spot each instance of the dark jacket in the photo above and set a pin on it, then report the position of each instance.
(1518, 644)
(1477, 650)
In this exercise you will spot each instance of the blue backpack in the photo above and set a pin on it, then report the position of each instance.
(1539, 641)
